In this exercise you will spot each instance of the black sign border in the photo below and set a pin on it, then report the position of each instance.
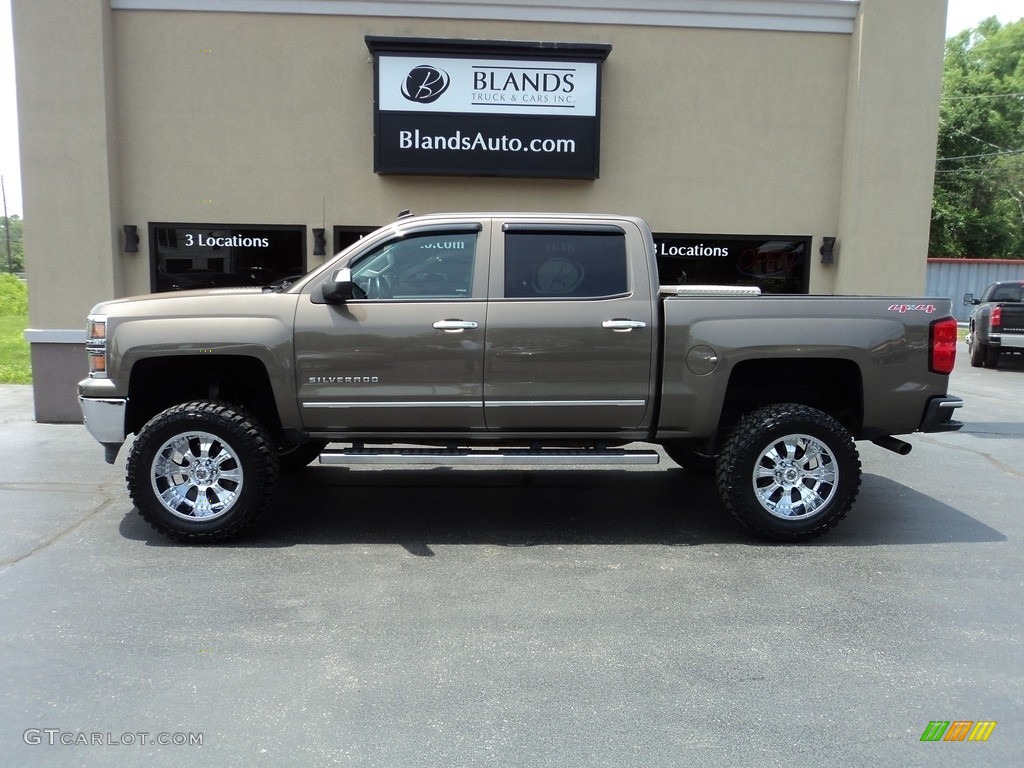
(490, 49)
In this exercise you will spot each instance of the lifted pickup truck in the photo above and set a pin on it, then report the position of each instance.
(997, 323)
(509, 339)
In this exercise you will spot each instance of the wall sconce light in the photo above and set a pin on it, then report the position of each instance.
(828, 250)
(131, 238)
(319, 242)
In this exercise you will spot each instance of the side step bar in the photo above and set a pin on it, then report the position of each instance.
(508, 456)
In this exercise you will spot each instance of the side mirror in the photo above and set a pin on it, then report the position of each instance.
(340, 288)
(969, 300)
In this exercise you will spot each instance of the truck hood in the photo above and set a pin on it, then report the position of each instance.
(186, 303)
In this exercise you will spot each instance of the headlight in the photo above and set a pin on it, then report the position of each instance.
(96, 346)
(96, 329)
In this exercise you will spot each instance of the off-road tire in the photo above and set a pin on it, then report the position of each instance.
(992, 355)
(978, 352)
(788, 472)
(201, 471)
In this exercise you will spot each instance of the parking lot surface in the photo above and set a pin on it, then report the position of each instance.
(472, 617)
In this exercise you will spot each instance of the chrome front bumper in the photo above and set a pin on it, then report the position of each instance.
(104, 416)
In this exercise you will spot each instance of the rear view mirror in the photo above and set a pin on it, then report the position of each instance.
(969, 300)
(340, 288)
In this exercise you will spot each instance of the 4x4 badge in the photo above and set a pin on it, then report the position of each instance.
(904, 308)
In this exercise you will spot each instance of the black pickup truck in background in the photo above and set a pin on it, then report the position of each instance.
(997, 323)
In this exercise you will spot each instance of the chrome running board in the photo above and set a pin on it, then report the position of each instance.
(492, 456)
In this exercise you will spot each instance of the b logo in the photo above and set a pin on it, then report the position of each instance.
(425, 84)
(557, 277)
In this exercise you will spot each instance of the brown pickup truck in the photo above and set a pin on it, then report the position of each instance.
(509, 339)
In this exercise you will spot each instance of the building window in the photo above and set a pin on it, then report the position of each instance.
(344, 236)
(186, 256)
(775, 264)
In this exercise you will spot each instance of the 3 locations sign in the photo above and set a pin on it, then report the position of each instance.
(481, 108)
(775, 264)
(185, 256)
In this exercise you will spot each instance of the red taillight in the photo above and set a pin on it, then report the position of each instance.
(997, 318)
(942, 346)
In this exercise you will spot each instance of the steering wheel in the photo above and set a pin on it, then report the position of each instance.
(378, 288)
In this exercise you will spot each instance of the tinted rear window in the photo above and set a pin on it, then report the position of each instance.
(565, 265)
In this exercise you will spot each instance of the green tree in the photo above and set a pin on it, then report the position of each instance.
(17, 261)
(978, 207)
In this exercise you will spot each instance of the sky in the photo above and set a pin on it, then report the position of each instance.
(961, 15)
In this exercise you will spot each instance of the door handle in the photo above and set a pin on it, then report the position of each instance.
(620, 325)
(456, 326)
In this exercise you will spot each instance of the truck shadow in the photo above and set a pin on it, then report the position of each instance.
(993, 429)
(421, 509)
(1009, 364)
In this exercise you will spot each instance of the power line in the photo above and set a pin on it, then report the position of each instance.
(985, 96)
(974, 172)
(975, 157)
(981, 141)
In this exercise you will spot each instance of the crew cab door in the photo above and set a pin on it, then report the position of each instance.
(571, 328)
(407, 354)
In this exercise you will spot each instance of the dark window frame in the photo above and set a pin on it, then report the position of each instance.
(345, 235)
(738, 277)
(156, 229)
(517, 285)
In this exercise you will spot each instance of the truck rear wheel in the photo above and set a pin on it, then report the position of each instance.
(201, 471)
(978, 353)
(788, 472)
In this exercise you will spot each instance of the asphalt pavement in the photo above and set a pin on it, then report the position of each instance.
(556, 617)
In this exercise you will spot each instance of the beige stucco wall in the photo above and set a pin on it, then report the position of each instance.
(242, 118)
(68, 140)
(137, 116)
(130, 117)
(889, 158)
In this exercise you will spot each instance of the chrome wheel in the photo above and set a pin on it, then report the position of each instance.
(788, 471)
(197, 475)
(201, 471)
(795, 477)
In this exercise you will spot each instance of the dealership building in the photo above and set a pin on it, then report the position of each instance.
(172, 144)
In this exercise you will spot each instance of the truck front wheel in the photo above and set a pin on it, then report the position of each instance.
(201, 471)
(788, 472)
